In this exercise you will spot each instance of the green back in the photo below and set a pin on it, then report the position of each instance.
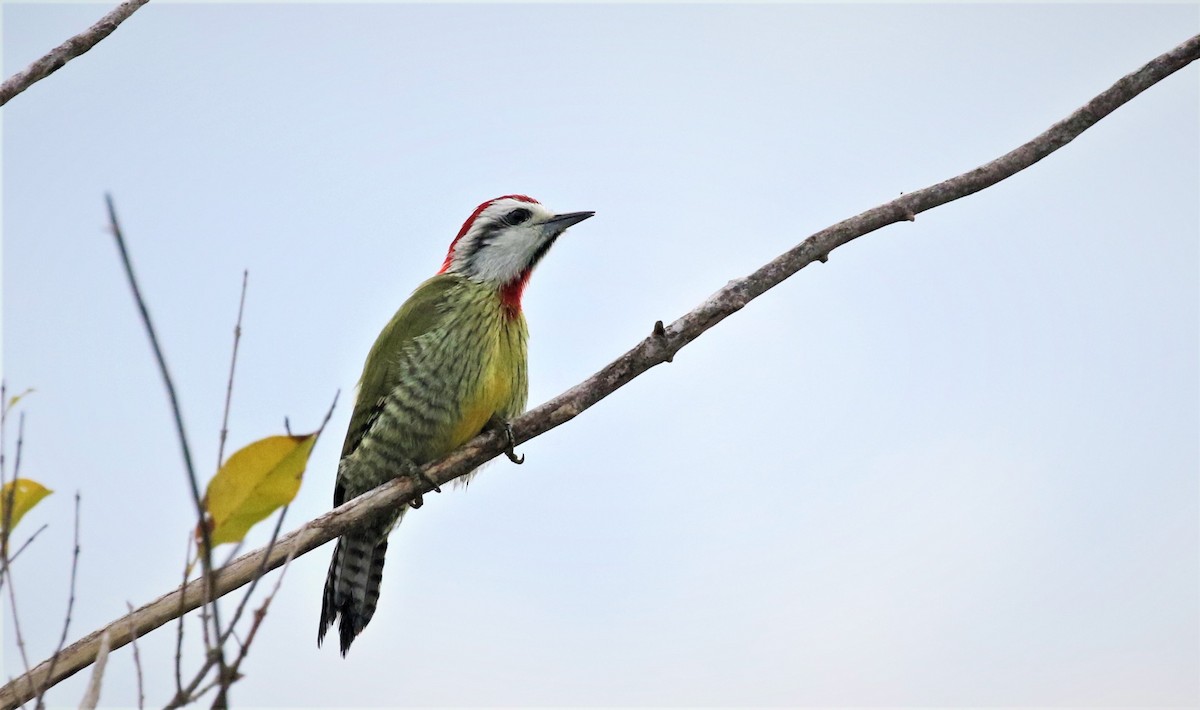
(421, 313)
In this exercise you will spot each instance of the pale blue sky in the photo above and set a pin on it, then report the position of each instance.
(958, 464)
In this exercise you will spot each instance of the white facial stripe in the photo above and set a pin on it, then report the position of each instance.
(506, 250)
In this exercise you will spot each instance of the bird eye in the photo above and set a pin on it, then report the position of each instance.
(517, 216)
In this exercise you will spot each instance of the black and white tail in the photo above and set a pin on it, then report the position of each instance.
(352, 585)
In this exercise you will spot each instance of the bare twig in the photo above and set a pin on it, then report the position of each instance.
(65, 52)
(20, 445)
(3, 421)
(10, 496)
(259, 614)
(653, 350)
(158, 354)
(6, 506)
(185, 695)
(237, 337)
(92, 695)
(6, 525)
(210, 604)
(159, 358)
(13, 557)
(262, 570)
(5, 571)
(187, 567)
(16, 624)
(137, 663)
(190, 693)
(201, 692)
(62, 641)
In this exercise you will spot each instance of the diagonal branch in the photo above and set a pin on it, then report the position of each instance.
(65, 52)
(660, 346)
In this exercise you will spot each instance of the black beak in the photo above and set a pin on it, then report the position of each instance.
(560, 222)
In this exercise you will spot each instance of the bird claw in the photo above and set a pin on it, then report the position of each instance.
(418, 476)
(511, 445)
(510, 442)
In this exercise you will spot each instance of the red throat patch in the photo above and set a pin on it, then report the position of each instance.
(510, 294)
(466, 227)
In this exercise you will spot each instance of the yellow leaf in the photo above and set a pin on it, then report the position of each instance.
(24, 494)
(12, 401)
(255, 482)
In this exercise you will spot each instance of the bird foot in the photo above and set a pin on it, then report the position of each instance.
(505, 426)
(511, 445)
(414, 472)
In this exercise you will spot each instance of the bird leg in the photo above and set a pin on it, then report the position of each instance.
(410, 470)
(505, 426)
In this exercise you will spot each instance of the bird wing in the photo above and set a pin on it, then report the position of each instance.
(421, 313)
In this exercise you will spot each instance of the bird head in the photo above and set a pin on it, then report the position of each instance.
(503, 240)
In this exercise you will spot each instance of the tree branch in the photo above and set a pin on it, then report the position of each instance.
(660, 346)
(41, 704)
(65, 52)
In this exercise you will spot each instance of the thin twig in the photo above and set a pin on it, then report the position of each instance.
(92, 695)
(187, 567)
(6, 523)
(237, 614)
(13, 557)
(205, 636)
(237, 337)
(180, 431)
(6, 505)
(16, 624)
(185, 695)
(190, 693)
(137, 663)
(259, 615)
(7, 560)
(232, 628)
(10, 495)
(200, 692)
(62, 641)
(20, 446)
(210, 605)
(67, 51)
(233, 553)
(652, 351)
(3, 421)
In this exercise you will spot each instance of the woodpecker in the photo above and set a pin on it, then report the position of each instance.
(449, 364)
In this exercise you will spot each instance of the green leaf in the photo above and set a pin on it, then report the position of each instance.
(254, 482)
(24, 494)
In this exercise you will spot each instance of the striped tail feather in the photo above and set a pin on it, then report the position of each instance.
(352, 585)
